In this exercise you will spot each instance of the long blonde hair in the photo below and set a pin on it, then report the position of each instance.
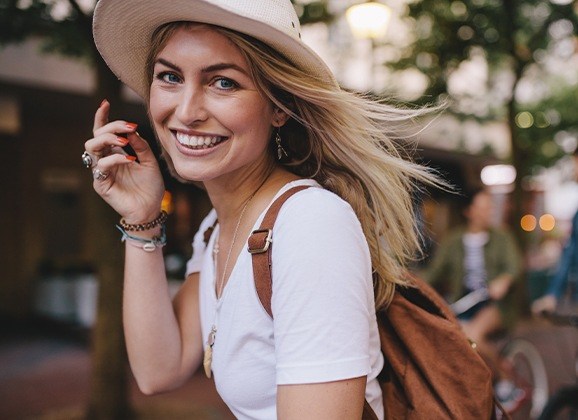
(345, 142)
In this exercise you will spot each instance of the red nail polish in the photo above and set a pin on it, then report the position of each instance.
(131, 158)
(122, 140)
(131, 126)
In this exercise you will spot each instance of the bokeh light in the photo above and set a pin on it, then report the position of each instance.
(528, 223)
(368, 20)
(524, 119)
(498, 175)
(547, 222)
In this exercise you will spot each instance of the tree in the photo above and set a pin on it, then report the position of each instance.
(65, 28)
(520, 42)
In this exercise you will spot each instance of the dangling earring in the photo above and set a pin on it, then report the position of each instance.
(280, 150)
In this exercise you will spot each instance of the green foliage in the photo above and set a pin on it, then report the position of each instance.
(68, 35)
(514, 37)
(506, 31)
(312, 12)
(554, 128)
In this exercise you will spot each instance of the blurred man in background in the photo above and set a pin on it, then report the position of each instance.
(566, 276)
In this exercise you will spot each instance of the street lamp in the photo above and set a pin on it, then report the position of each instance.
(369, 20)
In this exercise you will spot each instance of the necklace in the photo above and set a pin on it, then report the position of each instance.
(208, 356)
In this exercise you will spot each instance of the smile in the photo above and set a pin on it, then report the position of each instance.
(199, 142)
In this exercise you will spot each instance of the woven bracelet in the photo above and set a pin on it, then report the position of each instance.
(148, 245)
(144, 226)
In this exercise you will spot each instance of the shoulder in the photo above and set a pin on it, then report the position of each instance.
(319, 220)
(316, 204)
(453, 238)
(502, 234)
(205, 227)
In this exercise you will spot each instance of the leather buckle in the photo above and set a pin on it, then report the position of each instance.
(267, 241)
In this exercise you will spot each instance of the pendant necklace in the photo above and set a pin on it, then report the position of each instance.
(208, 356)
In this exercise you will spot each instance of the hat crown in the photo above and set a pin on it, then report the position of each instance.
(123, 30)
(279, 14)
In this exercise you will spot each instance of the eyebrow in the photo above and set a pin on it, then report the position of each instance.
(208, 69)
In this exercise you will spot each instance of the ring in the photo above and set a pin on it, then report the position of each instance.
(99, 175)
(88, 160)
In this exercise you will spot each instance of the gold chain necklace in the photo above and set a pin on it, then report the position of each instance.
(208, 356)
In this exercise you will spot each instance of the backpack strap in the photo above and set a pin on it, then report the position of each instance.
(259, 245)
(260, 242)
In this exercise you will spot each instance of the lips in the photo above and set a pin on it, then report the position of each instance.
(198, 142)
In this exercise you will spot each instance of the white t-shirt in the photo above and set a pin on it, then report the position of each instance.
(324, 326)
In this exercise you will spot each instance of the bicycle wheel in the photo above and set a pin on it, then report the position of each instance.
(529, 374)
(562, 405)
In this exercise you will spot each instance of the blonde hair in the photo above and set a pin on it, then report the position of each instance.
(343, 141)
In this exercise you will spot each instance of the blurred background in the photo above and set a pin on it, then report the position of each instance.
(507, 69)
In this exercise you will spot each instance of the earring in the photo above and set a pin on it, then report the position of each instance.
(280, 150)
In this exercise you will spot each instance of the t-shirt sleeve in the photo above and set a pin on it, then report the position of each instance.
(322, 299)
(195, 262)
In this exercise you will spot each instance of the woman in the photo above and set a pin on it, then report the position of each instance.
(476, 267)
(240, 104)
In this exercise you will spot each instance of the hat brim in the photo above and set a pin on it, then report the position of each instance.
(123, 29)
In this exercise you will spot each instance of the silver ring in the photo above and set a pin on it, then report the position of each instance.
(88, 160)
(99, 175)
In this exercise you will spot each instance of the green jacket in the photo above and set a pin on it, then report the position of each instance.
(446, 271)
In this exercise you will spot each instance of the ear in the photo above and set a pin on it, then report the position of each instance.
(280, 117)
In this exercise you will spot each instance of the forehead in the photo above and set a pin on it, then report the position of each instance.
(194, 38)
(482, 198)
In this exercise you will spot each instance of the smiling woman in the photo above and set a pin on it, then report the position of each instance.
(239, 103)
(206, 110)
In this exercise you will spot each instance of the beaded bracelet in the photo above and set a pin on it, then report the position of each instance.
(148, 245)
(162, 217)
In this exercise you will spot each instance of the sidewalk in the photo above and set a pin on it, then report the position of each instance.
(45, 375)
(557, 347)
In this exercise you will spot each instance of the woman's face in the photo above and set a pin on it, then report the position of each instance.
(205, 108)
(479, 213)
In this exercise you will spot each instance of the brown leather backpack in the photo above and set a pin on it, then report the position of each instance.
(431, 369)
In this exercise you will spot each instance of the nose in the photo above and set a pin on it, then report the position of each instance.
(191, 106)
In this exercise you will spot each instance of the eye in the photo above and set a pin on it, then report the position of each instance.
(168, 77)
(225, 84)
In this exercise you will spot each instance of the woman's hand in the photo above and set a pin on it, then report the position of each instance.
(134, 189)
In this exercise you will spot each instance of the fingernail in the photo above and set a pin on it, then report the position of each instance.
(131, 158)
(104, 101)
(122, 140)
(131, 126)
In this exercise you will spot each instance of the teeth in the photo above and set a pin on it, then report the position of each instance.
(200, 142)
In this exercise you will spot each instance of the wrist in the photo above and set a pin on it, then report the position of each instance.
(155, 238)
(130, 225)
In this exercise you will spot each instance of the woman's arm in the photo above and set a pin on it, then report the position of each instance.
(163, 343)
(330, 400)
(163, 339)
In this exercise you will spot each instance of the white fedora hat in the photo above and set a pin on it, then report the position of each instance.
(123, 28)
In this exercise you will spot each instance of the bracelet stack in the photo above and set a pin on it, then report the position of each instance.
(148, 245)
(162, 218)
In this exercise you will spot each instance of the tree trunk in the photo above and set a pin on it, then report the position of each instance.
(109, 397)
(517, 152)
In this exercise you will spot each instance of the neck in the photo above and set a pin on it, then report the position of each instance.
(476, 229)
(230, 196)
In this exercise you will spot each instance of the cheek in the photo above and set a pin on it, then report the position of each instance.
(247, 117)
(159, 107)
